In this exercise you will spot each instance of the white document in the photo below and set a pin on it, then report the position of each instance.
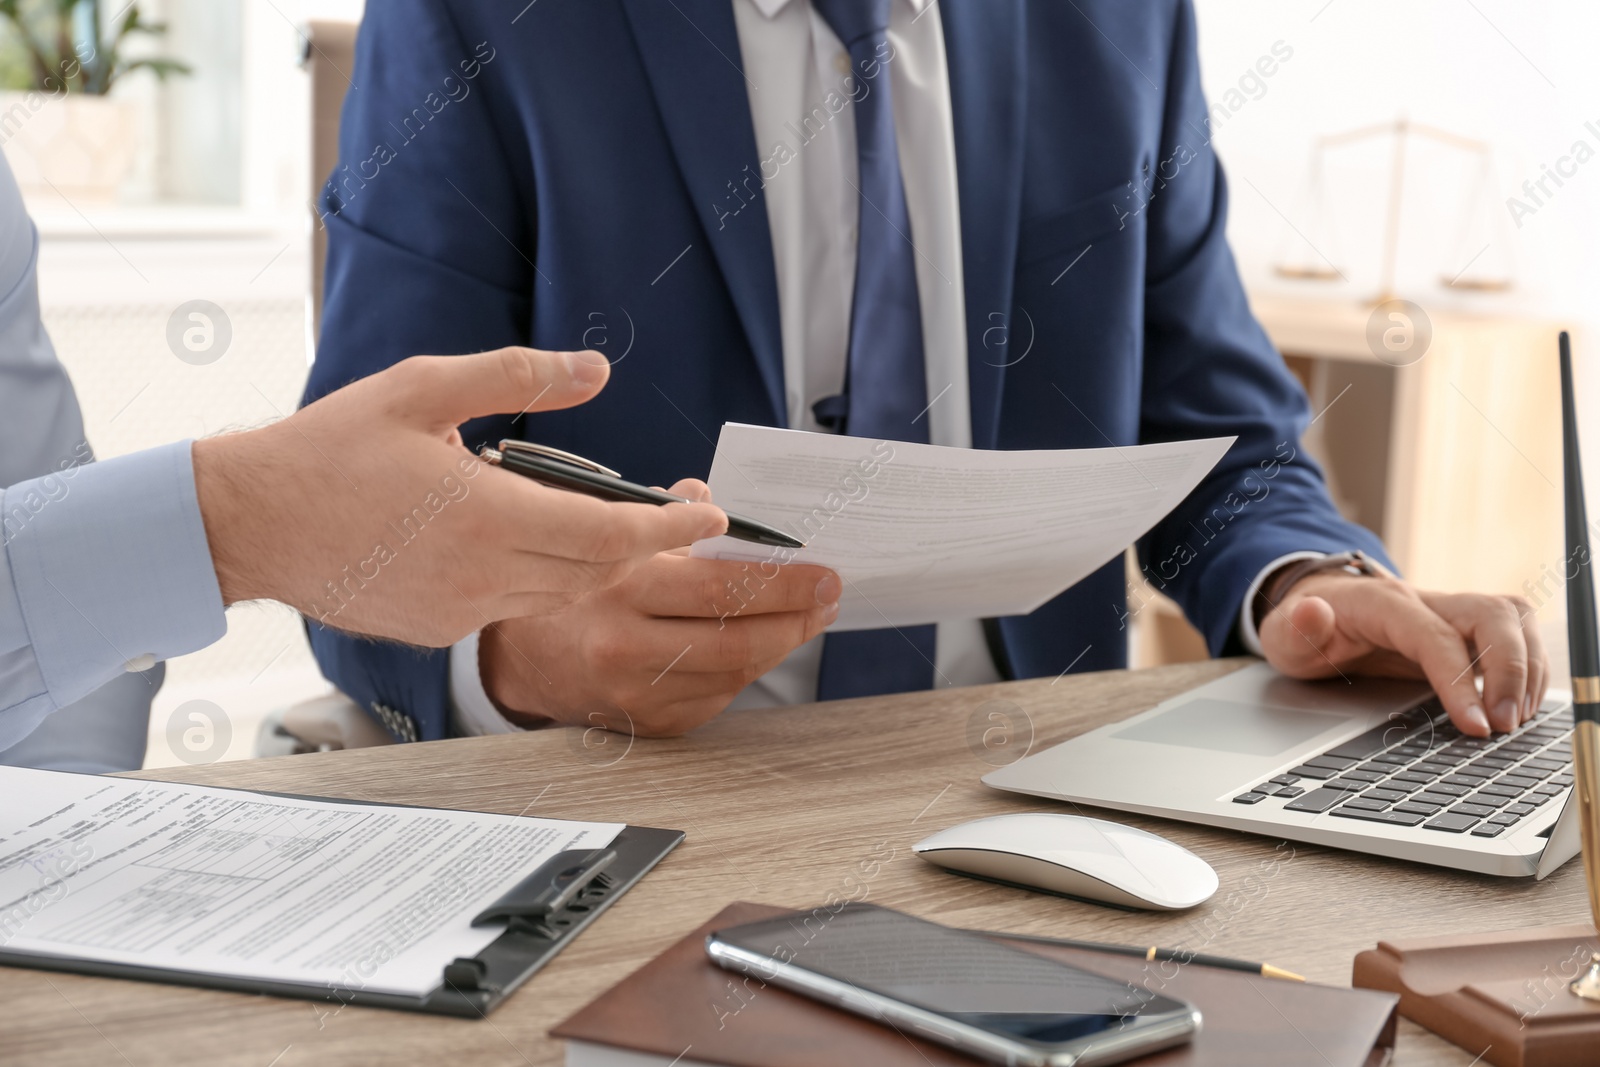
(227, 882)
(925, 533)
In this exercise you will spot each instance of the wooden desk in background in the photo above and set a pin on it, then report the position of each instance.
(781, 807)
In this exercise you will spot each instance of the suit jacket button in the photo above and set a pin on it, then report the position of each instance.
(389, 717)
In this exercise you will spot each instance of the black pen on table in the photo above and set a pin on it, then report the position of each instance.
(563, 470)
(1176, 955)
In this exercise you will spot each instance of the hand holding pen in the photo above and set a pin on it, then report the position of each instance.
(563, 470)
(669, 647)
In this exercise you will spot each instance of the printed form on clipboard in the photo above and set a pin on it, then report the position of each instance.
(304, 896)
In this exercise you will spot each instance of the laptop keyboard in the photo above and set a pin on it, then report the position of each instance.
(1418, 770)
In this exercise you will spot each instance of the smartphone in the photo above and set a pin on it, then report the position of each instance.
(957, 988)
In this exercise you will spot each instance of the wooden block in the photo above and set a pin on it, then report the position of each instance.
(1501, 996)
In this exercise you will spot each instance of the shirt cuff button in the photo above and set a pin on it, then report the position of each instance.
(140, 663)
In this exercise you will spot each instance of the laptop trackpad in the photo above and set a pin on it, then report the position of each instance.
(1229, 726)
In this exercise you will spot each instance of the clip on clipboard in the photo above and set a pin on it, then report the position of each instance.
(543, 912)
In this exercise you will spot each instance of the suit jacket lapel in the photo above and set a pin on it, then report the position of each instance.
(691, 56)
(984, 47)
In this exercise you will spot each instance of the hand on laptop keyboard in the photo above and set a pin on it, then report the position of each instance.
(1333, 622)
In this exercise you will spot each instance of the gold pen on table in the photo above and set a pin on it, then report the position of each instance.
(1155, 953)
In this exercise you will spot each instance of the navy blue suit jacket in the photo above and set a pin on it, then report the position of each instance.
(586, 175)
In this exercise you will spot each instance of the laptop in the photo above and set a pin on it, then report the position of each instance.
(1370, 765)
(1362, 763)
(1365, 764)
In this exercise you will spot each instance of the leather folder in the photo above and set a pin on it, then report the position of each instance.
(682, 1001)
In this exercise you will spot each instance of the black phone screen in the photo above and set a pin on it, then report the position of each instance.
(964, 976)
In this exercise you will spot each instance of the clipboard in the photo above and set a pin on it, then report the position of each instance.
(543, 913)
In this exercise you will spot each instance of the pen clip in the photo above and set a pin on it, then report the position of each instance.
(556, 454)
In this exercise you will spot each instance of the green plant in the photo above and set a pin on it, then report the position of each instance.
(67, 49)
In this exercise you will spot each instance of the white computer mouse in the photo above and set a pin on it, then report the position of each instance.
(1076, 856)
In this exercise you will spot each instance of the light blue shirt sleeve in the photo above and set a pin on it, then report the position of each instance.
(106, 569)
(102, 565)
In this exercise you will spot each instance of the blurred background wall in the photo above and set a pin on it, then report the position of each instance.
(214, 207)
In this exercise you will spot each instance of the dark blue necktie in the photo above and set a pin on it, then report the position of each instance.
(886, 391)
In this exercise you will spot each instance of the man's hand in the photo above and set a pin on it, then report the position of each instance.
(1331, 623)
(662, 652)
(365, 512)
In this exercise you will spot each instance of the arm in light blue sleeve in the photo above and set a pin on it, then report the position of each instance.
(102, 565)
(106, 567)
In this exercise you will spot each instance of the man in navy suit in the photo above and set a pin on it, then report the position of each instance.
(984, 223)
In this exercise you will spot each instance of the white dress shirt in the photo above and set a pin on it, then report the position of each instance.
(797, 76)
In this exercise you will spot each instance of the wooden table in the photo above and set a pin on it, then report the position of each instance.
(780, 807)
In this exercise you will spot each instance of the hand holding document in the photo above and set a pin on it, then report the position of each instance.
(924, 533)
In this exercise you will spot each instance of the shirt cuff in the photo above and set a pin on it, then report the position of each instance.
(1247, 616)
(111, 569)
(472, 713)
